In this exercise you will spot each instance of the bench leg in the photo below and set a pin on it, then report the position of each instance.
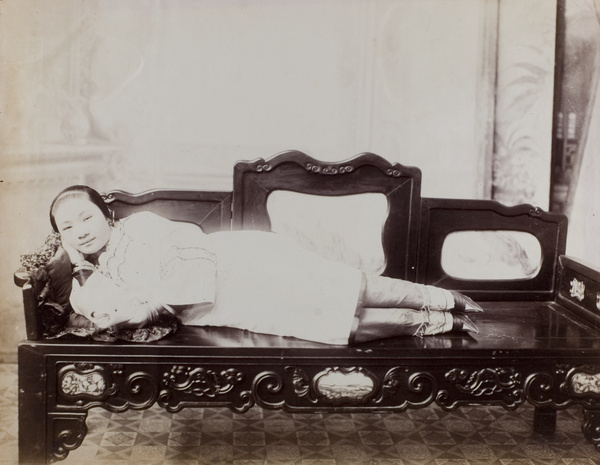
(68, 431)
(591, 426)
(32, 407)
(544, 421)
(44, 436)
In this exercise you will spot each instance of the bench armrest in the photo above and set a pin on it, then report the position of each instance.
(22, 277)
(579, 289)
(33, 325)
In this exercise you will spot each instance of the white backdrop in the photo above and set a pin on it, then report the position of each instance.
(143, 94)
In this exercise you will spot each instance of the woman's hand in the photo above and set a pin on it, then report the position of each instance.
(74, 255)
(129, 313)
(132, 312)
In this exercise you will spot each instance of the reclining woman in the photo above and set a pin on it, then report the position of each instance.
(126, 273)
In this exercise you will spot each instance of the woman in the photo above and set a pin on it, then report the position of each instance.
(126, 273)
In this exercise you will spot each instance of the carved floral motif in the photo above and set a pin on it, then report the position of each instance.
(484, 382)
(502, 385)
(577, 289)
(535, 211)
(201, 382)
(74, 384)
(584, 383)
(194, 386)
(301, 382)
(392, 379)
(328, 169)
(394, 173)
(83, 380)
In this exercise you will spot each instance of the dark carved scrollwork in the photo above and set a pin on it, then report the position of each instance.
(564, 386)
(242, 402)
(425, 385)
(140, 392)
(329, 169)
(301, 382)
(503, 385)
(265, 167)
(535, 211)
(392, 379)
(68, 434)
(399, 387)
(396, 389)
(484, 382)
(111, 386)
(581, 385)
(265, 387)
(200, 382)
(539, 389)
(186, 385)
(591, 427)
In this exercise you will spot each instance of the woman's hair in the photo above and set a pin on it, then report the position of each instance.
(78, 192)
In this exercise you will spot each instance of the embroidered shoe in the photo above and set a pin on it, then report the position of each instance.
(464, 304)
(462, 322)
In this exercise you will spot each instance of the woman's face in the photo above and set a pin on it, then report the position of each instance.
(82, 225)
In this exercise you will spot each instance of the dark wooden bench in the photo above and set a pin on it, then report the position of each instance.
(538, 341)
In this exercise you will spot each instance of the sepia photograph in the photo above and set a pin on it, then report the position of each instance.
(300, 232)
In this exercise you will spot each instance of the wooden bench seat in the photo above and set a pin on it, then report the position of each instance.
(538, 340)
(504, 326)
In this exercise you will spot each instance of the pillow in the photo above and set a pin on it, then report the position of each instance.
(58, 269)
(49, 268)
(80, 326)
(50, 264)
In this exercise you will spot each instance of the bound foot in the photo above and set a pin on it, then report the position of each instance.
(464, 304)
(463, 323)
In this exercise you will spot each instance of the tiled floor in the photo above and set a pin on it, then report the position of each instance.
(471, 435)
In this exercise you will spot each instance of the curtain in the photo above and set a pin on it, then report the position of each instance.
(576, 145)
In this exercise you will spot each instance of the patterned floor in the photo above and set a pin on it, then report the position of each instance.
(471, 435)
